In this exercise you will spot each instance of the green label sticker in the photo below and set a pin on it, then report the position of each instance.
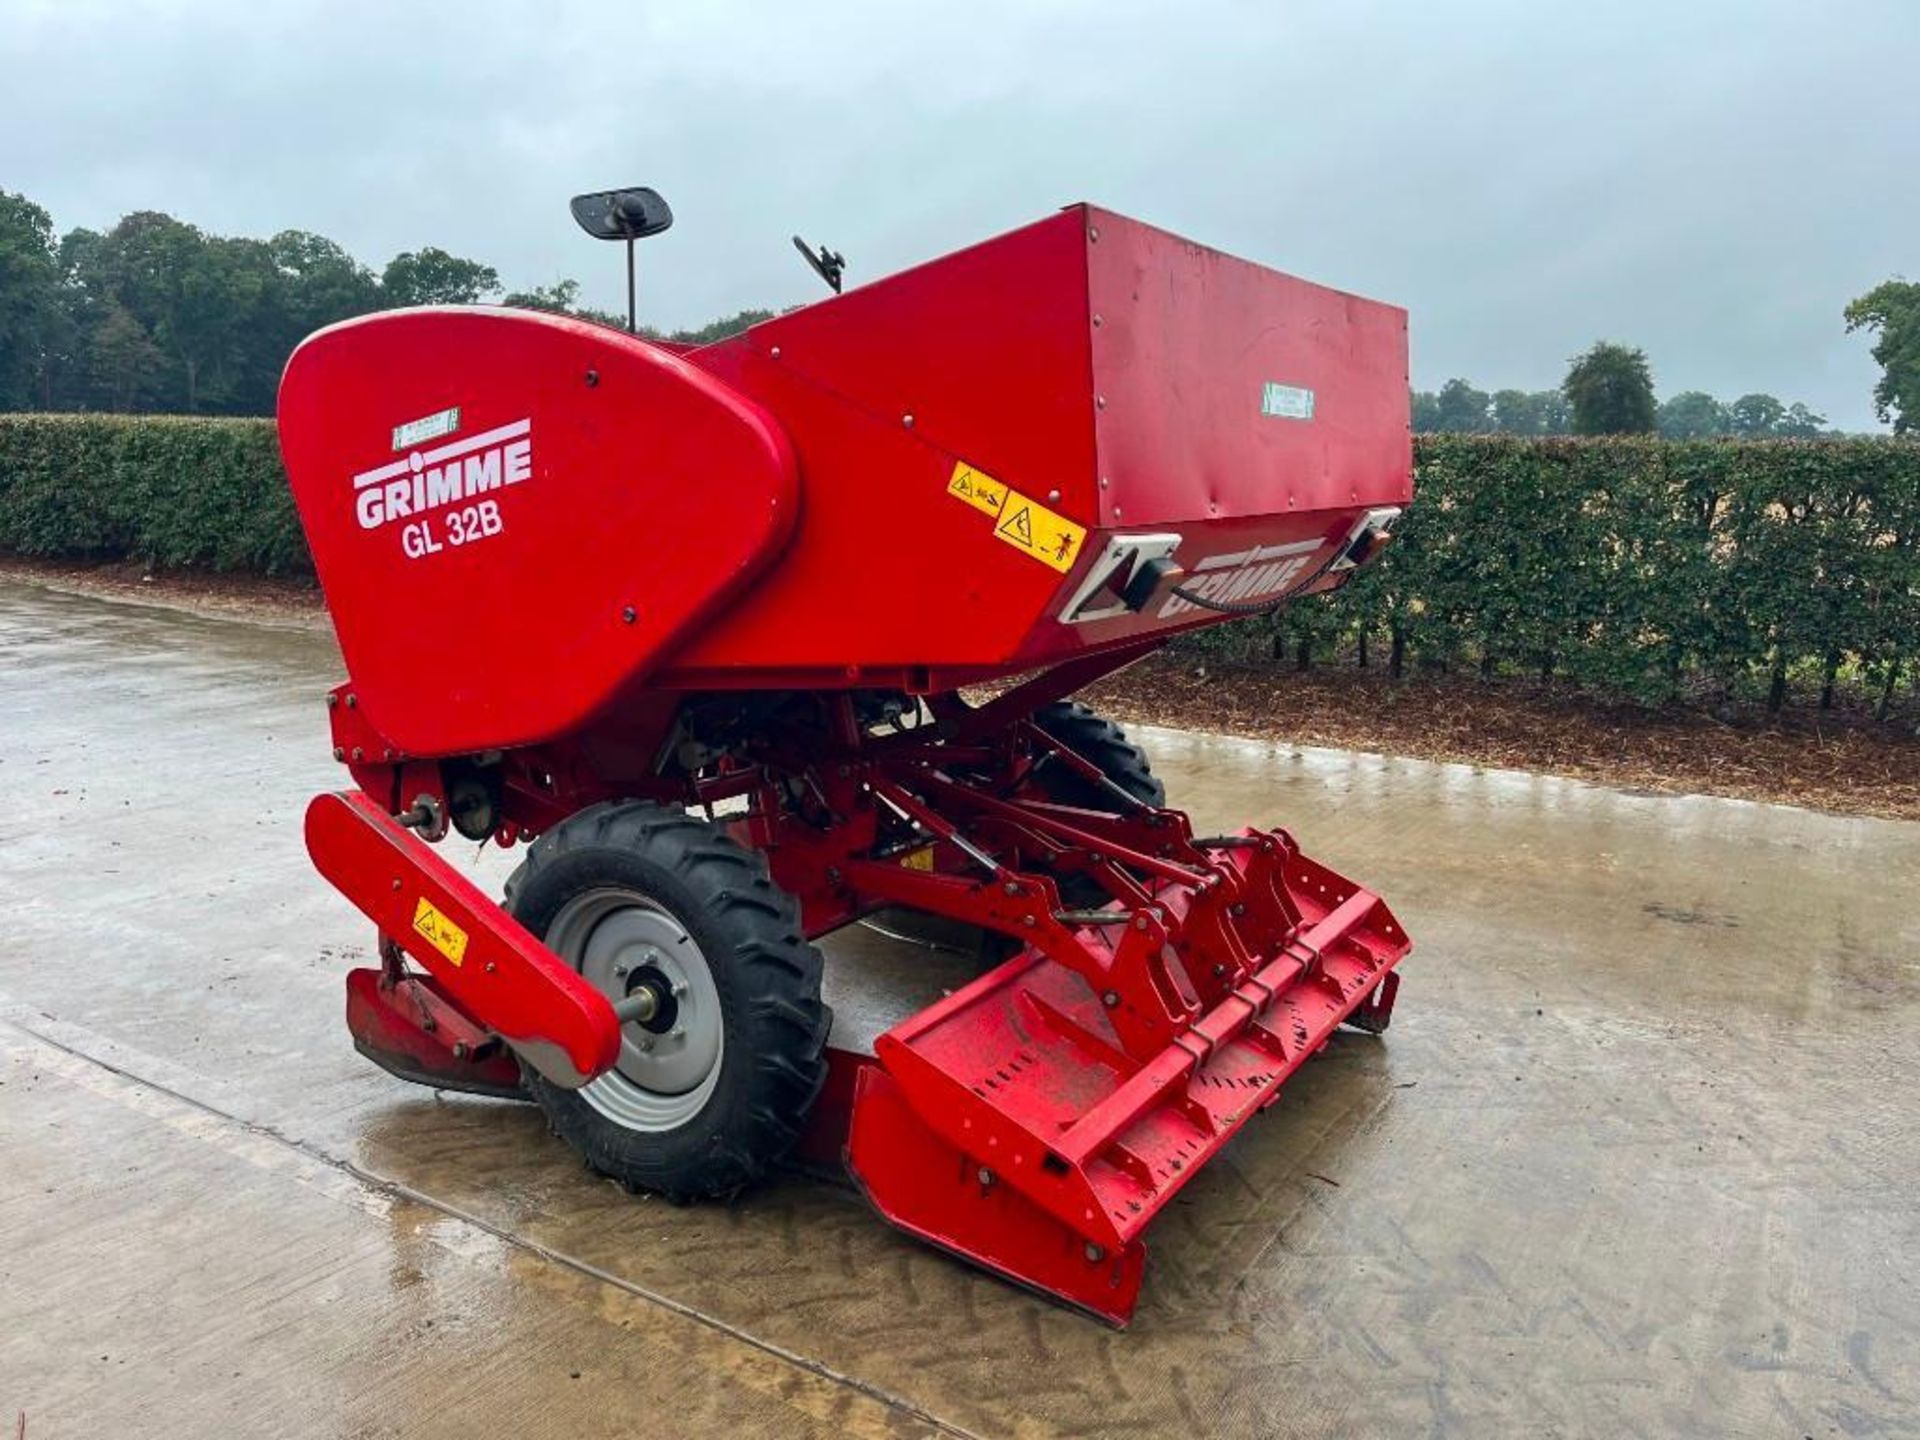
(1286, 402)
(427, 427)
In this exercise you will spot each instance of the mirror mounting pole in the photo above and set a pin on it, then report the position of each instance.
(633, 327)
(630, 215)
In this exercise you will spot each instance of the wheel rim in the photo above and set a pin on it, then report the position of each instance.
(620, 941)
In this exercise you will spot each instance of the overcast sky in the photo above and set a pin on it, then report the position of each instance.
(1709, 181)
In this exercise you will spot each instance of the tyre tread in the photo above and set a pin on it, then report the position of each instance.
(787, 1021)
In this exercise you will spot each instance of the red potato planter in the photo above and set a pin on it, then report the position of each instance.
(589, 588)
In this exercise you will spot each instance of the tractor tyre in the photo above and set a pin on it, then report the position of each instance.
(714, 1087)
(1094, 737)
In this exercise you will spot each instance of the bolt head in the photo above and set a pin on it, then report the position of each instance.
(907, 420)
(986, 1176)
(1110, 999)
(1095, 1253)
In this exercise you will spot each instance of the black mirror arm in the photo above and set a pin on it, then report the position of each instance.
(827, 265)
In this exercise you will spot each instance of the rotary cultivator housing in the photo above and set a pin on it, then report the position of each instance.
(706, 631)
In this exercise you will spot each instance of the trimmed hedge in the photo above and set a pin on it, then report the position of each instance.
(1635, 567)
(1644, 568)
(172, 491)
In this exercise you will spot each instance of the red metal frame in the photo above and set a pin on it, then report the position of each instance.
(484, 963)
(1036, 1120)
(567, 565)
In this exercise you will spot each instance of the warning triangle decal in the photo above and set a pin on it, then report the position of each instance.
(1019, 526)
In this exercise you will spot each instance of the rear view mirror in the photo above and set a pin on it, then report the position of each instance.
(630, 214)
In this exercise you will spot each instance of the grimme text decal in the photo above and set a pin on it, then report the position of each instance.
(447, 495)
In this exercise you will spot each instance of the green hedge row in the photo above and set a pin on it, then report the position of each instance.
(1635, 567)
(172, 491)
(1644, 568)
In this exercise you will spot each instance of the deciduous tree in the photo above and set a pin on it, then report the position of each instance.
(1753, 417)
(29, 299)
(431, 276)
(1892, 312)
(1463, 410)
(1610, 388)
(1692, 415)
(1531, 412)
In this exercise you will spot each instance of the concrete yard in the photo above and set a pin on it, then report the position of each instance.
(1639, 1156)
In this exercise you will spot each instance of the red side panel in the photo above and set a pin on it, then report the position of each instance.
(1228, 390)
(885, 569)
(514, 516)
(979, 356)
(985, 348)
(1119, 377)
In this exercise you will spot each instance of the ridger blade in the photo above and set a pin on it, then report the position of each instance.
(1010, 1124)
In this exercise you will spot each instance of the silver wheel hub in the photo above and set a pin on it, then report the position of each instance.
(635, 952)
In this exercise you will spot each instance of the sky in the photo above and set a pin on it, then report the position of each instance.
(1709, 181)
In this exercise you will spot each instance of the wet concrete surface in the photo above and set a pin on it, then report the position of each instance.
(1639, 1156)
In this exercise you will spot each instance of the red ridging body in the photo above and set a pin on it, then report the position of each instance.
(583, 581)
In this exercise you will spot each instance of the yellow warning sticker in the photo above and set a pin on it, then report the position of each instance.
(921, 859)
(440, 932)
(1044, 534)
(977, 488)
(1025, 524)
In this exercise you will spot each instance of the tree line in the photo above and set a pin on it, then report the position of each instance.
(158, 315)
(1609, 391)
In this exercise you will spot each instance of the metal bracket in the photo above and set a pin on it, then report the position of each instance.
(1369, 533)
(1122, 551)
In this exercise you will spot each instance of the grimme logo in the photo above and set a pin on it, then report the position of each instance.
(426, 481)
(1244, 575)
